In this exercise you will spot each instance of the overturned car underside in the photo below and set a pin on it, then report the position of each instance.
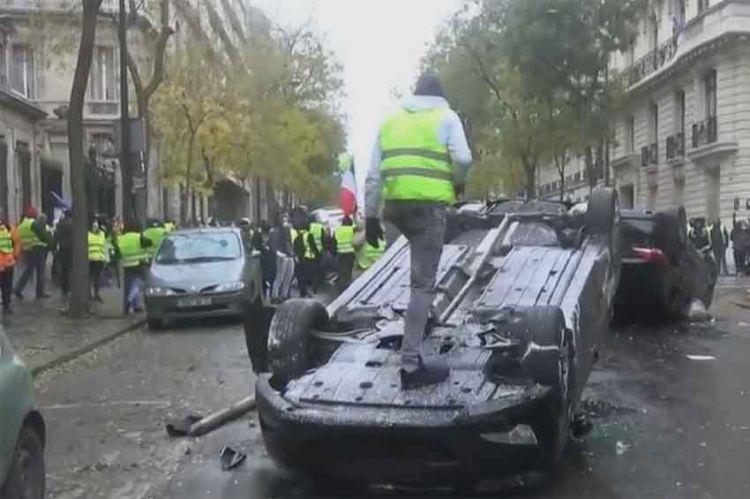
(524, 294)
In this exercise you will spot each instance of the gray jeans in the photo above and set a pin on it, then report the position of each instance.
(423, 225)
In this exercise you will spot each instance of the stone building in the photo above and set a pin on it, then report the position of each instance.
(685, 138)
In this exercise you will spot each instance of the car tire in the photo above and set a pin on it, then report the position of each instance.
(602, 211)
(551, 420)
(26, 477)
(671, 232)
(289, 338)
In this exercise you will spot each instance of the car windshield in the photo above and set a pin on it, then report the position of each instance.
(199, 247)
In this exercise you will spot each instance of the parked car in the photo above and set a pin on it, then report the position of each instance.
(662, 273)
(524, 297)
(202, 273)
(22, 430)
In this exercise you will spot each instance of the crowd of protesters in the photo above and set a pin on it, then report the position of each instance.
(296, 248)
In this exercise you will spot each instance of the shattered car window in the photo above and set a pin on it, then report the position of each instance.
(534, 234)
(187, 248)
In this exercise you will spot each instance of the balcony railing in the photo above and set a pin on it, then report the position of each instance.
(650, 155)
(705, 132)
(653, 61)
(676, 146)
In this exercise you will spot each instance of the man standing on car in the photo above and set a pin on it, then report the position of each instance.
(418, 166)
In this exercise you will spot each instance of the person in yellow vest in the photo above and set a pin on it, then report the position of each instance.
(10, 250)
(321, 239)
(307, 257)
(131, 248)
(418, 166)
(344, 246)
(35, 243)
(98, 249)
(368, 255)
(156, 232)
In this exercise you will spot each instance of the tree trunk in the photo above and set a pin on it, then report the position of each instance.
(188, 195)
(590, 175)
(79, 273)
(183, 205)
(529, 170)
(561, 171)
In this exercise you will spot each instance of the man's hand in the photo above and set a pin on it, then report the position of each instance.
(373, 231)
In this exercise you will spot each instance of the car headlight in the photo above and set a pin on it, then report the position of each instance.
(229, 286)
(158, 291)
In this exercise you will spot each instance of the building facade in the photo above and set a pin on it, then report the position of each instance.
(685, 138)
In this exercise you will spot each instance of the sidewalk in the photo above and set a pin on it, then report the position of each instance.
(44, 337)
(731, 299)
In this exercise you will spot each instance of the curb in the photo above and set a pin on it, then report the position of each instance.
(73, 354)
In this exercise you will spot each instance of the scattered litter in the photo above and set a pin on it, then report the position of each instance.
(679, 484)
(621, 448)
(704, 444)
(231, 458)
(701, 357)
(743, 324)
(181, 427)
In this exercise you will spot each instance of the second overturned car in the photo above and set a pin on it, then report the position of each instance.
(524, 295)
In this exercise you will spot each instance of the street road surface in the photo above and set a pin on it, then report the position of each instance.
(665, 425)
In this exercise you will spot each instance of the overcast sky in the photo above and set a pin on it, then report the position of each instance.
(379, 43)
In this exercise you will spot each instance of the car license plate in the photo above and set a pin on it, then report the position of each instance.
(193, 302)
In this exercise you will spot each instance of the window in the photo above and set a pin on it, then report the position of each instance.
(654, 123)
(22, 71)
(653, 30)
(3, 67)
(679, 111)
(102, 85)
(678, 20)
(709, 83)
(630, 134)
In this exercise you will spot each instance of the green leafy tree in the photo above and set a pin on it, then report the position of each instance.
(531, 76)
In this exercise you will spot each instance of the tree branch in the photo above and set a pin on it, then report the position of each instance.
(157, 75)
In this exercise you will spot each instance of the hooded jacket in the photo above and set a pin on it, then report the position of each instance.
(450, 133)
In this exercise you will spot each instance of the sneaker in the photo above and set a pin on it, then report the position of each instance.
(429, 372)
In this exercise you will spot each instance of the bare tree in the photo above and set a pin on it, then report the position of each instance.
(144, 91)
(80, 263)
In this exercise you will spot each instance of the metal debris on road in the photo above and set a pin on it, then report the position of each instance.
(180, 427)
(621, 448)
(231, 458)
(701, 357)
(217, 419)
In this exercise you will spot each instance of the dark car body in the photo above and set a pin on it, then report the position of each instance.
(662, 272)
(205, 285)
(17, 411)
(508, 271)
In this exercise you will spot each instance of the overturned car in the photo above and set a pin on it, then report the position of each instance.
(524, 295)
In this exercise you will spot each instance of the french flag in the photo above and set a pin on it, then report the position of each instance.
(348, 195)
